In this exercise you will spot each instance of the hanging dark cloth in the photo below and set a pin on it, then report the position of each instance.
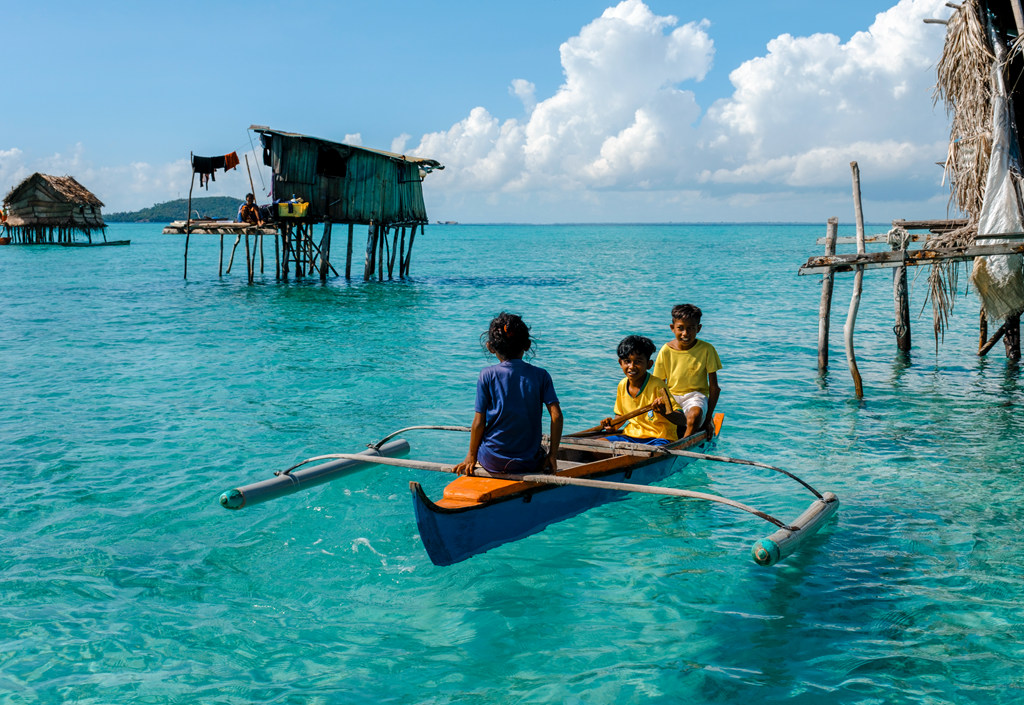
(206, 166)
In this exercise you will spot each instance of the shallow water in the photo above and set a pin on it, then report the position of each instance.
(133, 398)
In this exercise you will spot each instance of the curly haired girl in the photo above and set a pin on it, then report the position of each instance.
(510, 396)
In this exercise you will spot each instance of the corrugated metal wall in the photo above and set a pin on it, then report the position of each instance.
(374, 187)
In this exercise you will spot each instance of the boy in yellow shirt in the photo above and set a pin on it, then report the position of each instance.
(638, 389)
(690, 368)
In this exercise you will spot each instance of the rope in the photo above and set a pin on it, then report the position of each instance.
(898, 238)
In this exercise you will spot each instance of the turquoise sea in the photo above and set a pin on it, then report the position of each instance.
(132, 398)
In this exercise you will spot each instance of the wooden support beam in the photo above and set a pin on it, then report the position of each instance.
(910, 258)
(901, 303)
(371, 251)
(825, 307)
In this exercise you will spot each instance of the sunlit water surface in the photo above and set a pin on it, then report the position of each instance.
(132, 398)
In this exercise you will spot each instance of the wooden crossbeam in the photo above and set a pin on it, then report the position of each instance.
(910, 258)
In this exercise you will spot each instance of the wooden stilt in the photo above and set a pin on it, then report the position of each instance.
(188, 218)
(348, 253)
(260, 236)
(325, 249)
(382, 240)
(277, 259)
(858, 281)
(231, 259)
(248, 261)
(220, 260)
(401, 257)
(825, 307)
(408, 254)
(1011, 339)
(982, 330)
(371, 251)
(901, 302)
(393, 253)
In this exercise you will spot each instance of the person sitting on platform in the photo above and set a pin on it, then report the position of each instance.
(639, 389)
(249, 212)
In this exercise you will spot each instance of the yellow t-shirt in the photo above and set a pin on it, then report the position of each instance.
(649, 425)
(687, 370)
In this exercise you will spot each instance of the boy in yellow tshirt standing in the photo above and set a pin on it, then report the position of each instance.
(638, 389)
(690, 369)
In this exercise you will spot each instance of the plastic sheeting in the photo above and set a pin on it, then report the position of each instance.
(999, 279)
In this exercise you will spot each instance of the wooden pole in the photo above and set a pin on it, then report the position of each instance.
(188, 217)
(220, 261)
(982, 330)
(401, 256)
(260, 236)
(371, 251)
(348, 253)
(1011, 339)
(858, 281)
(986, 346)
(277, 260)
(248, 262)
(231, 259)
(325, 248)
(901, 303)
(408, 255)
(382, 240)
(825, 307)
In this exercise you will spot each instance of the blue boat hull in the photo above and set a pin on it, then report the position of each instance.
(453, 534)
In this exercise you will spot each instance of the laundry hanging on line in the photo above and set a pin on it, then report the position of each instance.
(206, 166)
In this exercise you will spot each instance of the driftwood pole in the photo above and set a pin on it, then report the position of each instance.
(858, 280)
(825, 307)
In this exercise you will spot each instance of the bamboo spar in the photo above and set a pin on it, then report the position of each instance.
(858, 281)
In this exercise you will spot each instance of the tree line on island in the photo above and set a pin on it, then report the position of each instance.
(206, 207)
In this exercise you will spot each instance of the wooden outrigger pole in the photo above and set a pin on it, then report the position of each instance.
(617, 457)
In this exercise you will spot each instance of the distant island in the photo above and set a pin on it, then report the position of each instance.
(207, 207)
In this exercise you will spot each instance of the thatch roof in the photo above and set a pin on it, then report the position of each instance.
(60, 188)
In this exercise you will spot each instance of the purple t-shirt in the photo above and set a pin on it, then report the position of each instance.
(511, 395)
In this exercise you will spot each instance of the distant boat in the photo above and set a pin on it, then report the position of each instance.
(447, 222)
(94, 244)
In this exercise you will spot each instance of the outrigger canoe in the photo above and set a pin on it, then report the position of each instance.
(486, 510)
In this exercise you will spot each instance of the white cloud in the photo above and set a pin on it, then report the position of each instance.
(623, 137)
(624, 121)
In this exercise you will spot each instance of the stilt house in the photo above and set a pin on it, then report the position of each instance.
(349, 185)
(51, 209)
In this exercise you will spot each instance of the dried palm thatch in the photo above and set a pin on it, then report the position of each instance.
(964, 85)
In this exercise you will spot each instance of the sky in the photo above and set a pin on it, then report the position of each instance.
(541, 111)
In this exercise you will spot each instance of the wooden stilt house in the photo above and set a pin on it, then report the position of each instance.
(45, 209)
(318, 181)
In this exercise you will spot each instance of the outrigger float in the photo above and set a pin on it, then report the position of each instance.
(482, 511)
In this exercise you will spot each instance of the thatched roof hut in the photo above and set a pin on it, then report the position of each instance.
(44, 209)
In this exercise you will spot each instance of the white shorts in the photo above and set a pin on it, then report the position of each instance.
(690, 400)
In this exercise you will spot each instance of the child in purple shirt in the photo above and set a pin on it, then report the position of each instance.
(510, 396)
